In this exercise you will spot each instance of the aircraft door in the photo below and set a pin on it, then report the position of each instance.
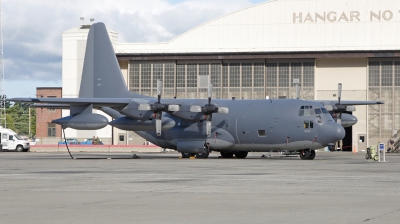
(242, 130)
(274, 134)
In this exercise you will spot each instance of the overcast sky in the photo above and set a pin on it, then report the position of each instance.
(32, 30)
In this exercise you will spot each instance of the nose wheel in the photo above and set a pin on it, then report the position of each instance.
(307, 154)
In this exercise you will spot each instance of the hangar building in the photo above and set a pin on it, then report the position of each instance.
(263, 51)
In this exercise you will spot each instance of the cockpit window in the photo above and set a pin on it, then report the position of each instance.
(324, 110)
(318, 111)
(306, 111)
(308, 124)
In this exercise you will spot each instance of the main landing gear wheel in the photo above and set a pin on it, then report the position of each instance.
(187, 155)
(312, 154)
(305, 154)
(226, 154)
(241, 154)
(202, 155)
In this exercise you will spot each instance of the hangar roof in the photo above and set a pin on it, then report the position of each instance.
(289, 26)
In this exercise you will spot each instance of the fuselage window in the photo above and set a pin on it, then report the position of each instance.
(261, 133)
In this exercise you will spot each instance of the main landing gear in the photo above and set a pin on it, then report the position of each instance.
(187, 154)
(199, 155)
(307, 154)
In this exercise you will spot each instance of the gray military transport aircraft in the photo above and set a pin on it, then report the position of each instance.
(190, 126)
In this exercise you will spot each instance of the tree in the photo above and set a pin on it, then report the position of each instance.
(19, 122)
(10, 122)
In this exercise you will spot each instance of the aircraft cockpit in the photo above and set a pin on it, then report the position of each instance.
(309, 111)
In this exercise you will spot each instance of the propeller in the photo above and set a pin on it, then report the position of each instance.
(158, 108)
(339, 107)
(209, 109)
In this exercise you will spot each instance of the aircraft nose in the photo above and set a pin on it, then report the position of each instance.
(331, 132)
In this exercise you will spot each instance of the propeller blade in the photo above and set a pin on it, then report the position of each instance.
(297, 91)
(223, 110)
(159, 89)
(158, 127)
(209, 124)
(173, 107)
(144, 106)
(339, 92)
(158, 123)
(339, 118)
(209, 128)
(195, 109)
(210, 90)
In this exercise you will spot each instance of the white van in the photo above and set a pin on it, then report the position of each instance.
(11, 141)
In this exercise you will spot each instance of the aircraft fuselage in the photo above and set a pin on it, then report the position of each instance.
(254, 125)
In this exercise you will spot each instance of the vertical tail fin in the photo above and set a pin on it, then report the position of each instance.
(101, 75)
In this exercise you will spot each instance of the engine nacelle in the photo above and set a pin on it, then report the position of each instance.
(131, 110)
(189, 116)
(129, 124)
(348, 120)
(86, 121)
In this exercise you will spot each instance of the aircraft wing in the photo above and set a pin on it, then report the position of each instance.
(348, 103)
(58, 102)
(51, 106)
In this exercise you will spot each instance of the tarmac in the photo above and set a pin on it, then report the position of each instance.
(338, 187)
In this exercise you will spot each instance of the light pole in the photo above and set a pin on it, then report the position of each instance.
(29, 122)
